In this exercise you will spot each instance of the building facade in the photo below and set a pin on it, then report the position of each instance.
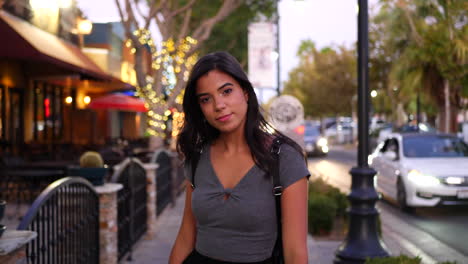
(46, 82)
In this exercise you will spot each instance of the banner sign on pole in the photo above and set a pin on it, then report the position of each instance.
(261, 45)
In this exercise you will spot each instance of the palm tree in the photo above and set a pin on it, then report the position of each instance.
(430, 40)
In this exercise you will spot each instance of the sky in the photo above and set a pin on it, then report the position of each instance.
(326, 22)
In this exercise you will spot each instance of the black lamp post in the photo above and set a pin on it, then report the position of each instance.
(362, 240)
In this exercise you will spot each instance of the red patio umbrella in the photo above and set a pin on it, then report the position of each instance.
(118, 102)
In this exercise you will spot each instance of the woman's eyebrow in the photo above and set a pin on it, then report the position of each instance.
(224, 85)
(221, 87)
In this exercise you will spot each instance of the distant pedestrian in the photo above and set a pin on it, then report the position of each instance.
(230, 213)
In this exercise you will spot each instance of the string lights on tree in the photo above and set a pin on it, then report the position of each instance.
(173, 63)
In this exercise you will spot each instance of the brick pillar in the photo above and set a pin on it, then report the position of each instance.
(15, 257)
(108, 225)
(151, 199)
(13, 246)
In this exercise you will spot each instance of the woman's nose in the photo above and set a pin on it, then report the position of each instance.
(219, 103)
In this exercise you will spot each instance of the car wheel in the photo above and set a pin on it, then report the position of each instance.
(401, 197)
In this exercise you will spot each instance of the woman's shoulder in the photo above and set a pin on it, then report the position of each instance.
(290, 151)
(286, 145)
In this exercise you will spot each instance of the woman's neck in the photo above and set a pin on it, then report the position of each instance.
(231, 143)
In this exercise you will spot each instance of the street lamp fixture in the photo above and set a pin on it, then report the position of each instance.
(373, 93)
(83, 27)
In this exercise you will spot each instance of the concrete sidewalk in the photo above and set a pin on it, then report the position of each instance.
(397, 237)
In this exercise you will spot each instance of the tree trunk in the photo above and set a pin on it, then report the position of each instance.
(400, 115)
(446, 124)
(448, 121)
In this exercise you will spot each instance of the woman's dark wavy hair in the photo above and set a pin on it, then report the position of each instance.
(196, 132)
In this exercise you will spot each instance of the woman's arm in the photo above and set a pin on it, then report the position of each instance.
(185, 241)
(294, 215)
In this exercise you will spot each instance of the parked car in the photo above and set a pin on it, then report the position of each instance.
(422, 169)
(422, 128)
(340, 133)
(314, 142)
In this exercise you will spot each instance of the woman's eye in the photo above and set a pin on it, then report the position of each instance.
(227, 91)
(204, 100)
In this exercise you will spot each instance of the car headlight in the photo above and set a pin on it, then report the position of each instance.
(322, 142)
(454, 180)
(325, 149)
(422, 179)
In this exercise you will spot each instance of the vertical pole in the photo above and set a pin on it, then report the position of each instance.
(61, 98)
(52, 114)
(45, 95)
(81, 40)
(72, 113)
(363, 81)
(362, 240)
(418, 111)
(35, 126)
(278, 75)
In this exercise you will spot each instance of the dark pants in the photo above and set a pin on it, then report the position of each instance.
(197, 258)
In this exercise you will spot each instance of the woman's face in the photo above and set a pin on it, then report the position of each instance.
(222, 101)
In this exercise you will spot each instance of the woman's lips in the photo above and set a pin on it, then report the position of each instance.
(224, 118)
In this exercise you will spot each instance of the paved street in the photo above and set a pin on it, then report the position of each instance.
(444, 227)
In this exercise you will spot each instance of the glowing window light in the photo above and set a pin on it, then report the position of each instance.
(47, 107)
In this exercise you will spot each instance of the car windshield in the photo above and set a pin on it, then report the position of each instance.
(434, 146)
(312, 131)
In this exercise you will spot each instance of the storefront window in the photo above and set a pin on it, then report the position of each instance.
(48, 113)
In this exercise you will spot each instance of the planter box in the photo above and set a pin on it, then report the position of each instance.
(94, 175)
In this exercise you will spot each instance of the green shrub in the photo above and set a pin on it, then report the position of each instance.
(91, 159)
(340, 199)
(318, 185)
(322, 212)
(326, 203)
(402, 259)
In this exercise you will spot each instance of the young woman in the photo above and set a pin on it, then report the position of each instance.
(230, 214)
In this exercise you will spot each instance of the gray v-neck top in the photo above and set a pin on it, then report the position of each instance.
(241, 228)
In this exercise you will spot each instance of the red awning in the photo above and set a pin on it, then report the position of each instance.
(22, 40)
(119, 102)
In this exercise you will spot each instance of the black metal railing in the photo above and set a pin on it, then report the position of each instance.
(163, 181)
(66, 219)
(132, 211)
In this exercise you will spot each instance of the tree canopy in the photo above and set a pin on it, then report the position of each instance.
(187, 27)
(421, 47)
(324, 81)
